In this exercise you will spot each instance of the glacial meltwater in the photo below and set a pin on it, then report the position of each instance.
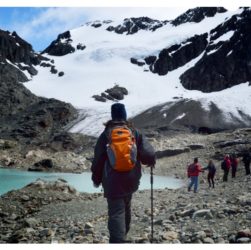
(11, 179)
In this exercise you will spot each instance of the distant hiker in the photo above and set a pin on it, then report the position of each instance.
(211, 173)
(234, 164)
(246, 160)
(193, 171)
(225, 166)
(118, 155)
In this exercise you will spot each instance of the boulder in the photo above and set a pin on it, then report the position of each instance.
(150, 59)
(243, 240)
(53, 70)
(223, 144)
(201, 235)
(99, 98)
(170, 235)
(115, 93)
(203, 213)
(80, 46)
(171, 152)
(186, 213)
(244, 200)
(246, 233)
(31, 222)
(61, 46)
(208, 240)
(196, 146)
(45, 163)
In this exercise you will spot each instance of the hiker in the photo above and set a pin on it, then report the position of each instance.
(234, 164)
(117, 171)
(211, 173)
(193, 171)
(225, 166)
(246, 160)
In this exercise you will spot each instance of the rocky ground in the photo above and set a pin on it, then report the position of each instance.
(55, 212)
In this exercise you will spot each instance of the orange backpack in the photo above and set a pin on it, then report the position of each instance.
(121, 149)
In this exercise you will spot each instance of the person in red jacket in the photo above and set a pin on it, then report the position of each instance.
(193, 171)
(234, 164)
(226, 168)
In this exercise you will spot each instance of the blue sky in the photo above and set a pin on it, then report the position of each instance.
(13, 18)
(40, 26)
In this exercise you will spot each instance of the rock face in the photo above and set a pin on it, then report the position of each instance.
(133, 25)
(115, 93)
(178, 55)
(224, 50)
(61, 46)
(38, 122)
(198, 14)
(14, 50)
(24, 116)
(183, 115)
(211, 72)
(14, 97)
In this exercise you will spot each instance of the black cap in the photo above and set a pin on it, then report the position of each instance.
(118, 112)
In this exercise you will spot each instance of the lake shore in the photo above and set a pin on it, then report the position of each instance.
(56, 212)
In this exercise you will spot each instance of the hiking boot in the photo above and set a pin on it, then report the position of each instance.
(189, 189)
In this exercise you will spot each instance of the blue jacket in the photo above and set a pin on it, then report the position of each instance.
(119, 184)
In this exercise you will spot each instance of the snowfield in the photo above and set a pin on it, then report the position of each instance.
(106, 62)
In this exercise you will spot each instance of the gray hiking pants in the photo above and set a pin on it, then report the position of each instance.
(119, 218)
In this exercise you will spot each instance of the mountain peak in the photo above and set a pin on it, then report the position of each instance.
(197, 14)
(134, 24)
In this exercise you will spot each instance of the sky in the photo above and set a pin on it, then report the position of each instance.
(40, 25)
(40, 22)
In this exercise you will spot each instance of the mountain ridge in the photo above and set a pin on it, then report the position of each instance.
(156, 61)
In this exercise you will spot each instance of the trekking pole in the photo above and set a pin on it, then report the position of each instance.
(151, 181)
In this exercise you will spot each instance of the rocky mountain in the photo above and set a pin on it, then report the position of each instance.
(24, 116)
(224, 49)
(132, 25)
(187, 115)
(197, 15)
(61, 46)
(197, 65)
(225, 63)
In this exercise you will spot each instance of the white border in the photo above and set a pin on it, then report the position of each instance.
(230, 4)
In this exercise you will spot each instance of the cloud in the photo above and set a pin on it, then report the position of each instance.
(47, 23)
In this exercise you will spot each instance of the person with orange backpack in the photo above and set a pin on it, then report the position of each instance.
(193, 171)
(118, 155)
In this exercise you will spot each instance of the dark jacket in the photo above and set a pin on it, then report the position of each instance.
(119, 184)
(246, 158)
(211, 169)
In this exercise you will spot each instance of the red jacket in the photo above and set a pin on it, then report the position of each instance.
(194, 169)
(234, 162)
(228, 162)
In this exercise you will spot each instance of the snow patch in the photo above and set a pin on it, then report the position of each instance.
(224, 37)
(106, 60)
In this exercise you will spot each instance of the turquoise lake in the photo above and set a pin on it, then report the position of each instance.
(15, 179)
